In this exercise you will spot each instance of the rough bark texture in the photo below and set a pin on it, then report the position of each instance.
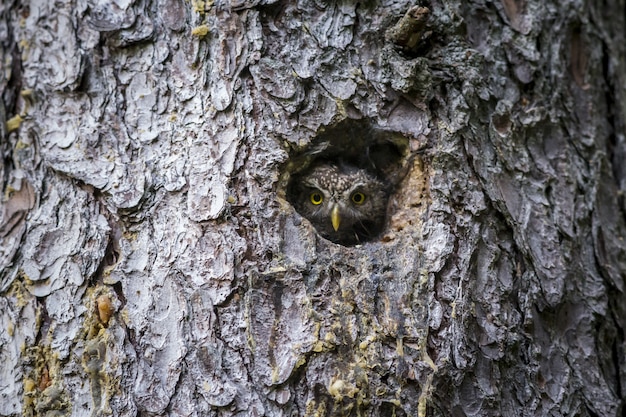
(151, 263)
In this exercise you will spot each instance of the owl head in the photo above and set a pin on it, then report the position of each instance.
(346, 204)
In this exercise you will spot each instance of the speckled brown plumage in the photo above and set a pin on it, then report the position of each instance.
(342, 186)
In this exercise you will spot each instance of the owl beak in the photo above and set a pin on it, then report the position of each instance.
(334, 217)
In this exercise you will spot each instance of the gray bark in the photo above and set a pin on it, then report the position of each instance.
(151, 263)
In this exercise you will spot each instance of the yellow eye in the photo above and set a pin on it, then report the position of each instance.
(316, 198)
(358, 198)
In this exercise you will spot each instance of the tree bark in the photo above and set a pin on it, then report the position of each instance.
(151, 262)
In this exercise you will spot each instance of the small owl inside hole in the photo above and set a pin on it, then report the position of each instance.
(344, 203)
(345, 187)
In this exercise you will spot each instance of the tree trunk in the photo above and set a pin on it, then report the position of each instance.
(152, 261)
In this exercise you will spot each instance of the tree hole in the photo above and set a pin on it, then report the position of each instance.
(343, 180)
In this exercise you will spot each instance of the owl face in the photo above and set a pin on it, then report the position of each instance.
(345, 204)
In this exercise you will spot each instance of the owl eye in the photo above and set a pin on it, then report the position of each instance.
(316, 198)
(358, 198)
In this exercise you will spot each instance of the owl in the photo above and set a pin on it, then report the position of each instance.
(346, 204)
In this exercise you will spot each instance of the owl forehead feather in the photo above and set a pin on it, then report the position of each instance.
(332, 177)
